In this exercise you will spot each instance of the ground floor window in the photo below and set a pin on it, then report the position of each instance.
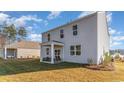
(75, 50)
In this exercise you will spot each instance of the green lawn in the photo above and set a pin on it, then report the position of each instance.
(33, 70)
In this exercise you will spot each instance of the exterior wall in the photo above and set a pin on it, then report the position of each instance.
(3, 40)
(1, 53)
(103, 35)
(43, 51)
(28, 53)
(87, 38)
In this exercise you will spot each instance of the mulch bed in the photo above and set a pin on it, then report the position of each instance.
(109, 67)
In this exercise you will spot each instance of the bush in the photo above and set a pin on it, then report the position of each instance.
(1, 58)
(117, 57)
(107, 59)
(107, 63)
(90, 61)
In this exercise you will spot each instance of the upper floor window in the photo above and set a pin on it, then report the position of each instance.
(75, 27)
(47, 51)
(48, 36)
(61, 33)
(75, 50)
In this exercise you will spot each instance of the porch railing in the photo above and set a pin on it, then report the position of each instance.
(56, 59)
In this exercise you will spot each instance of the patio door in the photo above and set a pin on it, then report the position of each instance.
(57, 55)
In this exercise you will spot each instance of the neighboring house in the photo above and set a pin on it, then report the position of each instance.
(3, 40)
(78, 41)
(22, 49)
(117, 55)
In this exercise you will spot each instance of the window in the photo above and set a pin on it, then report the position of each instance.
(48, 36)
(61, 33)
(72, 50)
(75, 50)
(75, 30)
(47, 51)
(78, 50)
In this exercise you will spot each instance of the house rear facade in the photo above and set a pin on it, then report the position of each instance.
(78, 41)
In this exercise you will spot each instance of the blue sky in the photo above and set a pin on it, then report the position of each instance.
(40, 21)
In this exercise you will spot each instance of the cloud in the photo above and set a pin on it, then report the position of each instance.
(118, 38)
(45, 22)
(35, 37)
(53, 15)
(29, 28)
(109, 17)
(82, 14)
(23, 19)
(116, 44)
(114, 31)
(3, 18)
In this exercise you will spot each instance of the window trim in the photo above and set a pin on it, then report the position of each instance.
(48, 36)
(47, 51)
(75, 29)
(75, 50)
(61, 33)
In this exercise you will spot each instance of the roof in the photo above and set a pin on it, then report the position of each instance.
(52, 42)
(24, 44)
(71, 22)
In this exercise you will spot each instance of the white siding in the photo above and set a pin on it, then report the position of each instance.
(28, 53)
(103, 35)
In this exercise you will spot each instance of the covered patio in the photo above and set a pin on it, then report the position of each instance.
(54, 52)
(10, 53)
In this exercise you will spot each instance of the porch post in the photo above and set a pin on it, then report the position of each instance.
(52, 53)
(63, 53)
(5, 53)
(41, 59)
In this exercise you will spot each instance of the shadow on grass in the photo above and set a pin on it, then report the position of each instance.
(18, 66)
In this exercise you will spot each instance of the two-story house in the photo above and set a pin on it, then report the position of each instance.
(78, 41)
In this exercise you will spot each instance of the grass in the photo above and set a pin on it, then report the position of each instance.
(34, 71)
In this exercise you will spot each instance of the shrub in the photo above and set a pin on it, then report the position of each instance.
(117, 56)
(1, 58)
(107, 59)
(107, 63)
(90, 61)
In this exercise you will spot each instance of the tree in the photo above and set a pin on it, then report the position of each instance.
(11, 32)
(22, 33)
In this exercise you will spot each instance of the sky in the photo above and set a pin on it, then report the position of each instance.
(37, 22)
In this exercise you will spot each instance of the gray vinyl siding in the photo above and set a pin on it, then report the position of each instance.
(87, 38)
(92, 35)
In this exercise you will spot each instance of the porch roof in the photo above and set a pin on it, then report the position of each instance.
(52, 42)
